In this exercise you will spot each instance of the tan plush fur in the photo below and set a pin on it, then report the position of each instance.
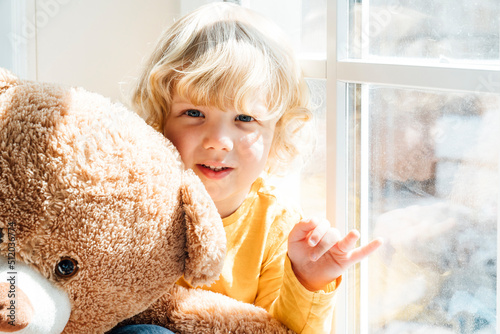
(86, 179)
(203, 312)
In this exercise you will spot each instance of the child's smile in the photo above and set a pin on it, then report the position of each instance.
(226, 149)
(214, 172)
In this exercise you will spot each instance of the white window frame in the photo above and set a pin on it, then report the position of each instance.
(340, 71)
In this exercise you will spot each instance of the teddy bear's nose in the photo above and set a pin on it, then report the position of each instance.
(16, 310)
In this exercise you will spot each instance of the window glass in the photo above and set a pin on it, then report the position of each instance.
(425, 177)
(447, 31)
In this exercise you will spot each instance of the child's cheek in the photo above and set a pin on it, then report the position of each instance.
(252, 146)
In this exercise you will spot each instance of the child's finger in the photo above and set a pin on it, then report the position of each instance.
(322, 226)
(330, 238)
(360, 253)
(302, 229)
(347, 244)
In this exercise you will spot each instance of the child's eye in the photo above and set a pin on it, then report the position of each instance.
(244, 118)
(193, 113)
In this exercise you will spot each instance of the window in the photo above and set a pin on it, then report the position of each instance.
(413, 116)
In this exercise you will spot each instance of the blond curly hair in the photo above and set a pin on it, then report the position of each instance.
(224, 55)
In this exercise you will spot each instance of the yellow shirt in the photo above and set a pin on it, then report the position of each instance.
(257, 270)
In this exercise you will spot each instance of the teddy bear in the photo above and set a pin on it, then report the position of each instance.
(99, 219)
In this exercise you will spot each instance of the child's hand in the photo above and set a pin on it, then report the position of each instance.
(319, 255)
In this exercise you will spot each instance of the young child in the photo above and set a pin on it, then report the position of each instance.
(225, 88)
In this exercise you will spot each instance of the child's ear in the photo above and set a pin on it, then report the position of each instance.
(7, 80)
(205, 235)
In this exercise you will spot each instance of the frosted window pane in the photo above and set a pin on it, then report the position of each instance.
(446, 30)
(433, 171)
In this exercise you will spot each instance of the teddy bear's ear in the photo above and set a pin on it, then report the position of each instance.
(205, 235)
(7, 80)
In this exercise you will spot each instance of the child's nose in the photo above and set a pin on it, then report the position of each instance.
(218, 138)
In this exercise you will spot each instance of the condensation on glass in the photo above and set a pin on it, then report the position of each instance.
(431, 161)
(424, 171)
(448, 31)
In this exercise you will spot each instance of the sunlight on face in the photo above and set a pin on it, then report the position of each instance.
(227, 150)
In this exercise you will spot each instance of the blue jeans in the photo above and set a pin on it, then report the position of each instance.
(141, 329)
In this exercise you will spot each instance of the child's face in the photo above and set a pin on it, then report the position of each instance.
(225, 149)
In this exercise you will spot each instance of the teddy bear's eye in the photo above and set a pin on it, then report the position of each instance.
(1, 235)
(67, 267)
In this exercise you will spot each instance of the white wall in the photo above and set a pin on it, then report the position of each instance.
(6, 51)
(97, 44)
(100, 44)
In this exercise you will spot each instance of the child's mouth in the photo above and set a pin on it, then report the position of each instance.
(215, 169)
(214, 172)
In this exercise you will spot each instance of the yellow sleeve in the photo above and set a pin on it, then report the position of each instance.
(283, 295)
(258, 271)
(271, 271)
(302, 310)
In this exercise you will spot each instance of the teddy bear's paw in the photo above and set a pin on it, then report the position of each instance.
(199, 311)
